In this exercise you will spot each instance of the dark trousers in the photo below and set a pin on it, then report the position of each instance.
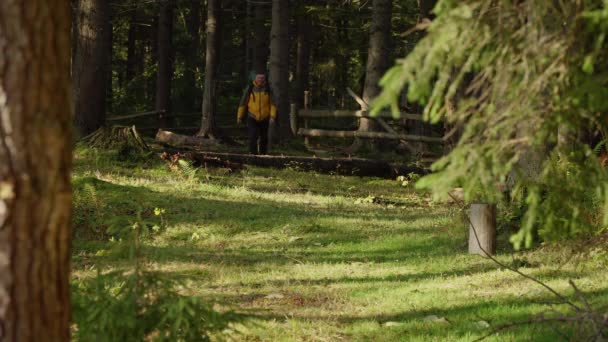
(258, 130)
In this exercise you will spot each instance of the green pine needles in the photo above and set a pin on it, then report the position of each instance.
(524, 80)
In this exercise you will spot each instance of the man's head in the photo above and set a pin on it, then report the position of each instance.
(260, 79)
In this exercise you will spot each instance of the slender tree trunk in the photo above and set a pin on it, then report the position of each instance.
(193, 55)
(378, 54)
(419, 127)
(90, 68)
(260, 36)
(165, 65)
(279, 63)
(248, 38)
(208, 126)
(131, 46)
(304, 27)
(110, 63)
(36, 154)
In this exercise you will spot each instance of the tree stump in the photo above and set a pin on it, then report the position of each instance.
(482, 222)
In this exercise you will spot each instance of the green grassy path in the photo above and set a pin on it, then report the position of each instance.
(311, 257)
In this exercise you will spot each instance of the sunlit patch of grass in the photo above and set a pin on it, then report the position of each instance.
(318, 257)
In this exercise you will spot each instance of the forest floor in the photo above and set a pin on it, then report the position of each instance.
(311, 257)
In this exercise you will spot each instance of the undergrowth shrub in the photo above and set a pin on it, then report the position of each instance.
(134, 304)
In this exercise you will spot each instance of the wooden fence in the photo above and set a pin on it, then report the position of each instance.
(308, 114)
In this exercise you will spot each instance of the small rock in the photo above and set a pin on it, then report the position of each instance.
(275, 296)
(436, 319)
(392, 324)
(482, 324)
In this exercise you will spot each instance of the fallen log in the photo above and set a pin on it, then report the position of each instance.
(178, 140)
(173, 159)
(342, 166)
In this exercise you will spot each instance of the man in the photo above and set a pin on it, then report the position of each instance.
(257, 105)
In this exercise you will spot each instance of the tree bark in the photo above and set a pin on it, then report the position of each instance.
(193, 55)
(90, 68)
(165, 63)
(36, 154)
(279, 63)
(208, 125)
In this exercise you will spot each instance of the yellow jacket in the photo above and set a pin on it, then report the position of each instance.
(258, 103)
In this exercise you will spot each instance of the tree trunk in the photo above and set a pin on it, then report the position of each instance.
(131, 46)
(208, 126)
(304, 24)
(248, 38)
(417, 127)
(260, 36)
(425, 7)
(279, 63)
(36, 154)
(90, 68)
(109, 79)
(193, 55)
(378, 60)
(482, 229)
(165, 65)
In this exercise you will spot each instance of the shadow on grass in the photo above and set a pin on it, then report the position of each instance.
(98, 202)
(461, 320)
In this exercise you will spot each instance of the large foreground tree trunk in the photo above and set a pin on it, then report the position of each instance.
(208, 126)
(91, 61)
(35, 154)
(165, 63)
(279, 63)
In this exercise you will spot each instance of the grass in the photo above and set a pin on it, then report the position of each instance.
(310, 257)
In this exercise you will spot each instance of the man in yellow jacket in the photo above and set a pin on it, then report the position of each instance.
(257, 107)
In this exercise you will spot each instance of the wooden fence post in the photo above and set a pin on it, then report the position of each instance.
(293, 118)
(482, 222)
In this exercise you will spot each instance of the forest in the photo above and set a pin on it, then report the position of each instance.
(303, 170)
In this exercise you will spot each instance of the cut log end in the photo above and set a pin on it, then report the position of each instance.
(482, 229)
